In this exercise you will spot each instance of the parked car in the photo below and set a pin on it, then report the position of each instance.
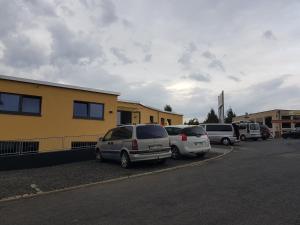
(292, 134)
(188, 140)
(265, 131)
(134, 143)
(221, 133)
(249, 130)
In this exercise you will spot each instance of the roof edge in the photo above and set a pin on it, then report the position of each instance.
(52, 84)
(149, 107)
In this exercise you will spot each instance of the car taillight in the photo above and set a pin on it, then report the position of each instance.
(135, 145)
(183, 137)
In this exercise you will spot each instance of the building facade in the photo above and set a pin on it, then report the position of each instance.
(37, 116)
(278, 120)
(134, 113)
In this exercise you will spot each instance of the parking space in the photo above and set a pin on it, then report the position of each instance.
(30, 181)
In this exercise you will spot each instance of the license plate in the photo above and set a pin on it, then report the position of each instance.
(198, 143)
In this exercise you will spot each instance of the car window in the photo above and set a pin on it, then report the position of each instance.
(221, 127)
(193, 131)
(122, 133)
(254, 126)
(173, 130)
(151, 131)
(107, 136)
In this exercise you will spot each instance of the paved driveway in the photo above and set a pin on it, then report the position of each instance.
(30, 181)
(256, 184)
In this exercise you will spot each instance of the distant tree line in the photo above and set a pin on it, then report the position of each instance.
(213, 118)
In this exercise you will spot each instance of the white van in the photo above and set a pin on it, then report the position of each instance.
(220, 133)
(249, 130)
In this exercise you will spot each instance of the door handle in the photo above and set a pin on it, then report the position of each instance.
(110, 143)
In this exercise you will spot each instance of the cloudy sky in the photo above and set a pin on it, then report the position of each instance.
(182, 53)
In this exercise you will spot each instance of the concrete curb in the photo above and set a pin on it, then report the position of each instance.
(25, 196)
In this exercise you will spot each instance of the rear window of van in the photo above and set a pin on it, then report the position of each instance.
(150, 131)
(221, 127)
(193, 131)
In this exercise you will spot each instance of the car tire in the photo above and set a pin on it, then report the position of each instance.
(201, 155)
(125, 160)
(175, 152)
(161, 161)
(225, 141)
(98, 154)
(243, 138)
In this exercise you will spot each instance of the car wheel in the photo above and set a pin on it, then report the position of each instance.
(175, 152)
(125, 161)
(255, 139)
(225, 141)
(162, 161)
(202, 154)
(99, 157)
(243, 138)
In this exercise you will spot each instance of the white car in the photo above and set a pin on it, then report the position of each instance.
(188, 140)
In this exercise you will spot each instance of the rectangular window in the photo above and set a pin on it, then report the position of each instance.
(18, 147)
(286, 125)
(169, 121)
(150, 132)
(20, 104)
(151, 119)
(87, 110)
(76, 145)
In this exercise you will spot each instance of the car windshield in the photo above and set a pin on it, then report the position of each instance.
(151, 131)
(193, 131)
(254, 126)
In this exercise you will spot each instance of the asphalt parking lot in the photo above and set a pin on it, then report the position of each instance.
(32, 181)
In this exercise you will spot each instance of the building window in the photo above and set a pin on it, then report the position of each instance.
(169, 121)
(285, 117)
(83, 145)
(268, 121)
(18, 147)
(151, 119)
(87, 110)
(286, 125)
(20, 104)
(162, 121)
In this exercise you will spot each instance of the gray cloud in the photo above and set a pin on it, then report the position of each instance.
(148, 58)
(120, 54)
(105, 11)
(214, 62)
(217, 64)
(208, 55)
(198, 77)
(186, 57)
(21, 52)
(234, 78)
(268, 34)
(69, 46)
(261, 96)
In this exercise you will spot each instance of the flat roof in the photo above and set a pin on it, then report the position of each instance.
(272, 110)
(46, 83)
(149, 107)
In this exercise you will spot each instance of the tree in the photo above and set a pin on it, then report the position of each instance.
(211, 117)
(168, 108)
(230, 115)
(193, 121)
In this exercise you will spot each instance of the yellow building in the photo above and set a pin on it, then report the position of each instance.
(134, 113)
(37, 116)
(278, 120)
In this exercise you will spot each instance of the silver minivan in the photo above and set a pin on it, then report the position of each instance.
(220, 133)
(134, 143)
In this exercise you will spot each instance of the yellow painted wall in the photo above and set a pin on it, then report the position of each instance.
(57, 114)
(146, 112)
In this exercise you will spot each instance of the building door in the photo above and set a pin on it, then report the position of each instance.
(124, 117)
